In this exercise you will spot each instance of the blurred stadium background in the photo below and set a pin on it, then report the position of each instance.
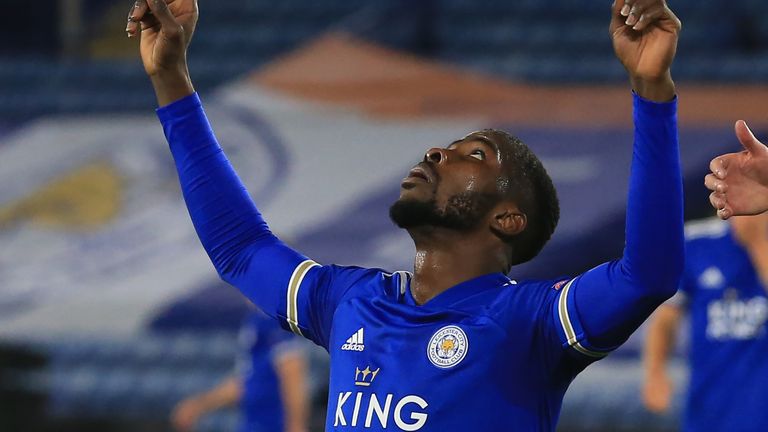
(109, 310)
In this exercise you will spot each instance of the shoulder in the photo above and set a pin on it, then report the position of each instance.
(705, 230)
(706, 241)
(527, 298)
(358, 281)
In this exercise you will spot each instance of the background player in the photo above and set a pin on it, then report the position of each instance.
(724, 293)
(269, 384)
(739, 181)
(457, 345)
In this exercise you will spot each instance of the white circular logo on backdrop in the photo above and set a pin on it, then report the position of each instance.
(447, 347)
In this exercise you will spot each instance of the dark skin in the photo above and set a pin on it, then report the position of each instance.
(644, 34)
(446, 257)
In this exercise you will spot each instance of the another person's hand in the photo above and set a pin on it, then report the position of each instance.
(739, 181)
(186, 415)
(645, 34)
(657, 393)
(165, 28)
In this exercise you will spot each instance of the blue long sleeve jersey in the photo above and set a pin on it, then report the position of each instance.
(489, 354)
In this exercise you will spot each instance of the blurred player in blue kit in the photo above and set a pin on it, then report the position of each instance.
(723, 291)
(455, 345)
(269, 384)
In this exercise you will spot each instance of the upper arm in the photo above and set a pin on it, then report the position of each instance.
(297, 291)
(598, 310)
(568, 324)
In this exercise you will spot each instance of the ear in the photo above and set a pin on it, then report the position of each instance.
(508, 220)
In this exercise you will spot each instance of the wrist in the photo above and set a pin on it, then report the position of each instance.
(655, 89)
(171, 85)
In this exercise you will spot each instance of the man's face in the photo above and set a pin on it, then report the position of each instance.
(453, 187)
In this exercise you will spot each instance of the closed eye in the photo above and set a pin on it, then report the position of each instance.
(478, 154)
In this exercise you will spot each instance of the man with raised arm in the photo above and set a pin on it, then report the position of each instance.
(739, 181)
(455, 345)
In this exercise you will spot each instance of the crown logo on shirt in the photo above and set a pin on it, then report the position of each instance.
(364, 377)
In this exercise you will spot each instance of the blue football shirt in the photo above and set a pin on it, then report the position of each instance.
(728, 308)
(489, 345)
(487, 354)
(262, 344)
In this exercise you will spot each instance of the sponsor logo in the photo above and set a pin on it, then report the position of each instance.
(731, 318)
(447, 347)
(368, 408)
(355, 342)
(355, 408)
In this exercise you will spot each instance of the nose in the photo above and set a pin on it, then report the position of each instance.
(436, 155)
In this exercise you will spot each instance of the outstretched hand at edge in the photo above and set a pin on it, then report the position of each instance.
(739, 181)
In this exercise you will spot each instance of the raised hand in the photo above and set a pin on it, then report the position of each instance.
(645, 34)
(739, 181)
(165, 28)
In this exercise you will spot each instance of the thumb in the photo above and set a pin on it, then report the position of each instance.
(160, 10)
(747, 138)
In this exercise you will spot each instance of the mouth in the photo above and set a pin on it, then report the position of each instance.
(422, 172)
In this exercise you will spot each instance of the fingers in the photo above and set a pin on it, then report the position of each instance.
(617, 17)
(747, 138)
(639, 14)
(160, 9)
(626, 9)
(719, 165)
(718, 197)
(136, 14)
(646, 18)
(618, 6)
(715, 184)
(719, 202)
(632, 12)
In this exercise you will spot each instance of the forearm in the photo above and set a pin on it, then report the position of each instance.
(653, 255)
(237, 239)
(660, 341)
(224, 216)
(615, 298)
(292, 373)
(226, 394)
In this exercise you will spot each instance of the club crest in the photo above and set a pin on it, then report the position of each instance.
(447, 347)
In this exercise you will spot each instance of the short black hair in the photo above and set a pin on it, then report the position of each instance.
(526, 182)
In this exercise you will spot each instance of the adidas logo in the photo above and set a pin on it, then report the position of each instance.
(355, 342)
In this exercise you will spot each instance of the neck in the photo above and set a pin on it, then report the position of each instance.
(445, 258)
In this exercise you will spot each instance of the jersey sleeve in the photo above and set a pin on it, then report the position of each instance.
(285, 284)
(598, 310)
